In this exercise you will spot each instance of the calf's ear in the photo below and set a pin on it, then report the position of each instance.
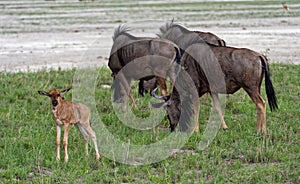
(65, 91)
(43, 93)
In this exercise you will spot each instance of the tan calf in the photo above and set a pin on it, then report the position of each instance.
(70, 113)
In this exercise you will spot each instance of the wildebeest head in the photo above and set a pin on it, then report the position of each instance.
(54, 95)
(171, 105)
(182, 105)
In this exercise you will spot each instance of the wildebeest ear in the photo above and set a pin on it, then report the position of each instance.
(43, 93)
(65, 91)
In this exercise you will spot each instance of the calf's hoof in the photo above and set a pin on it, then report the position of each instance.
(97, 156)
(66, 159)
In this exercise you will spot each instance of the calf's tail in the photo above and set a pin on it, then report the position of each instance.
(269, 86)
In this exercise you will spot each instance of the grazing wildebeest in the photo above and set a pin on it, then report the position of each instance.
(127, 48)
(70, 113)
(239, 68)
(211, 58)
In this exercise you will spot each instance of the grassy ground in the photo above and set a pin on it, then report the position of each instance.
(239, 155)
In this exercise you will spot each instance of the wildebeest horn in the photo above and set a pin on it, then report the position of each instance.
(165, 98)
(153, 93)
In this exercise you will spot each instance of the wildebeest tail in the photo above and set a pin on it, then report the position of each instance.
(177, 62)
(269, 86)
(178, 55)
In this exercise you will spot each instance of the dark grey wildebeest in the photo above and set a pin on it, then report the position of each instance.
(151, 57)
(224, 70)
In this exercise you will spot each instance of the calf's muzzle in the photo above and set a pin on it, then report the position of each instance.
(54, 102)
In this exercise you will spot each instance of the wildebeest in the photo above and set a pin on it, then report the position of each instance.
(70, 113)
(151, 56)
(212, 67)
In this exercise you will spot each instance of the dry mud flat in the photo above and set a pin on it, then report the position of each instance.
(66, 34)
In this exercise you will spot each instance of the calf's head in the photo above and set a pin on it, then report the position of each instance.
(54, 95)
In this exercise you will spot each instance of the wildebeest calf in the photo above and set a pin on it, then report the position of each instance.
(70, 113)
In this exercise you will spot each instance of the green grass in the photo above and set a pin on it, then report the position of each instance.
(239, 155)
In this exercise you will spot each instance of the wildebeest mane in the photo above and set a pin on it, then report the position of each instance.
(122, 29)
(164, 29)
(168, 26)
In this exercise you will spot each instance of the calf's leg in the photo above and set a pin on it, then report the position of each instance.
(91, 132)
(65, 141)
(58, 134)
(85, 136)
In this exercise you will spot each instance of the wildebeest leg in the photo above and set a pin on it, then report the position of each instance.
(85, 136)
(163, 87)
(132, 99)
(91, 132)
(65, 141)
(141, 88)
(217, 106)
(196, 111)
(171, 86)
(126, 87)
(260, 109)
(58, 134)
